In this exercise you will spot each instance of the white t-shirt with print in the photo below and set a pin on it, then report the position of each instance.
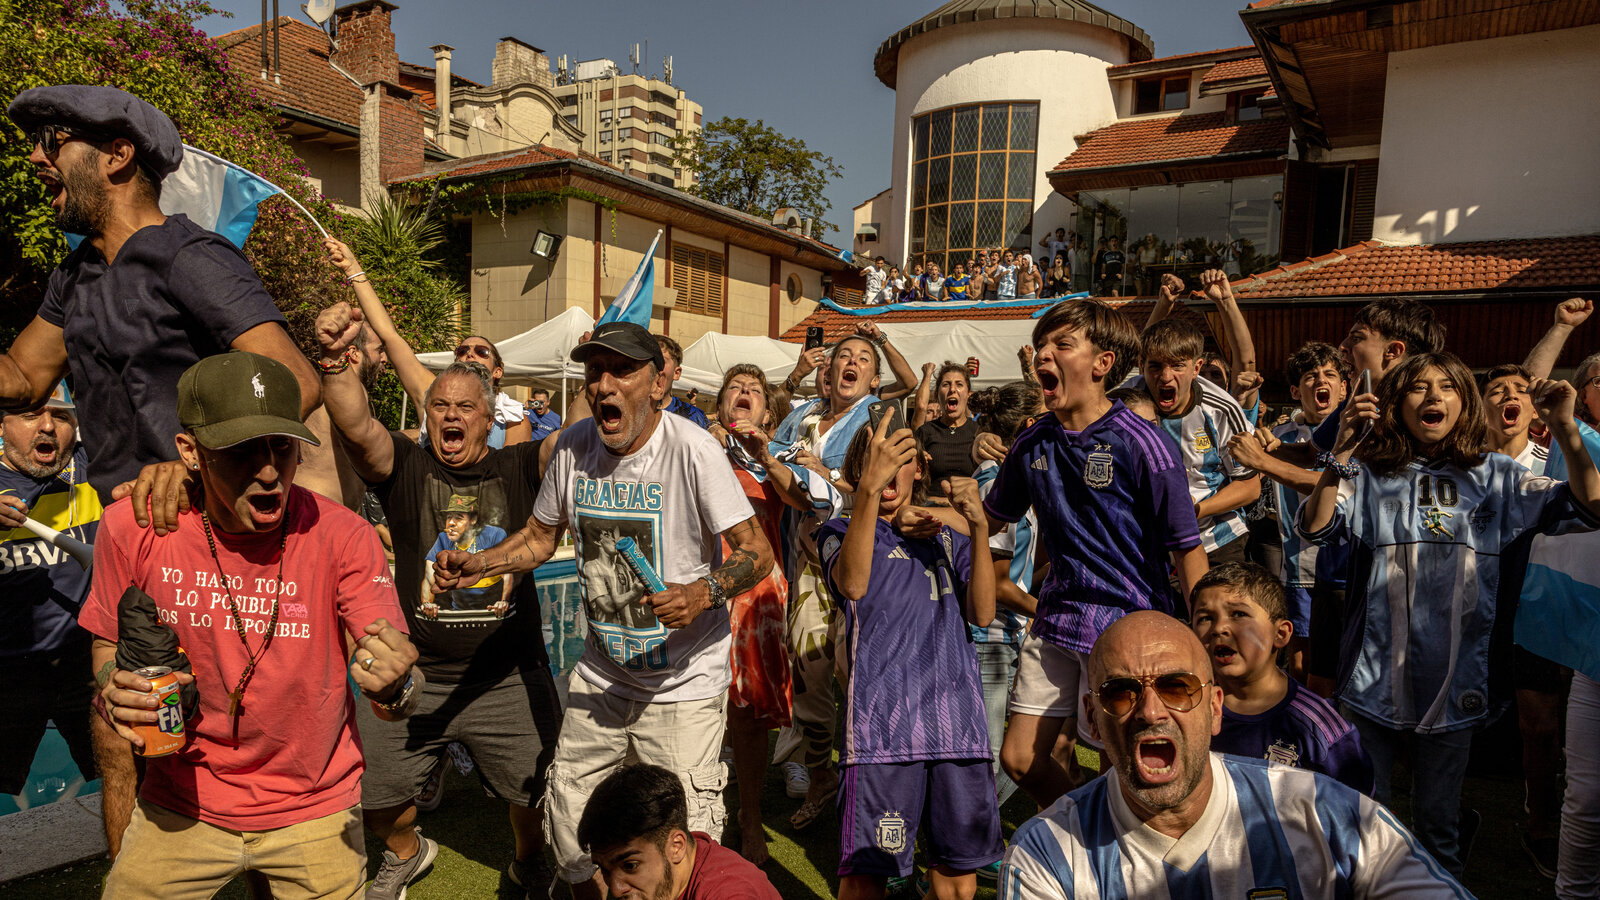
(674, 496)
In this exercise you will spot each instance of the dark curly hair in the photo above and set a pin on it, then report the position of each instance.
(1391, 446)
(1004, 411)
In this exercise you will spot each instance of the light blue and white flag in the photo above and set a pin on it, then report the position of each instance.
(634, 301)
(1558, 616)
(217, 195)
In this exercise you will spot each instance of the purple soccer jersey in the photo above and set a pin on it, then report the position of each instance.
(914, 691)
(1113, 503)
(1303, 731)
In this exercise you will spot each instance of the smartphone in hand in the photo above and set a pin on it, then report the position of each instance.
(881, 408)
(813, 337)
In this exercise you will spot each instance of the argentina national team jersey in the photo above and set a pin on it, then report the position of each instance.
(1112, 505)
(1426, 544)
(1534, 458)
(1016, 541)
(912, 690)
(1202, 434)
(1268, 831)
(1304, 564)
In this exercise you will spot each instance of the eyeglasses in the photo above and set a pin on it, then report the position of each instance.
(1180, 691)
(473, 350)
(48, 137)
(1593, 382)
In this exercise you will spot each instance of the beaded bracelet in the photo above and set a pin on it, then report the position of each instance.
(1347, 471)
(335, 367)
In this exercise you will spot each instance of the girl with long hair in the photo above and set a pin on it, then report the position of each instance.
(1430, 518)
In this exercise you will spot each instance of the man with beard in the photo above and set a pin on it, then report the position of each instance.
(1172, 819)
(489, 685)
(144, 297)
(44, 655)
(655, 693)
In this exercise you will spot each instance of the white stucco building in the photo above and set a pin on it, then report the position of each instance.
(973, 81)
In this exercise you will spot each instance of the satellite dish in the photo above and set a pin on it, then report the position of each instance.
(319, 11)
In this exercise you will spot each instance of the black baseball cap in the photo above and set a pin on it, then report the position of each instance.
(626, 338)
(104, 112)
(235, 397)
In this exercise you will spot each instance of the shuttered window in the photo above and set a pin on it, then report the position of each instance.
(699, 276)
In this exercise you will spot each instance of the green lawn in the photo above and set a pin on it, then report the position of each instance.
(475, 848)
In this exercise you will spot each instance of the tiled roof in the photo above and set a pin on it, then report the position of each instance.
(498, 162)
(1235, 70)
(1153, 140)
(1195, 59)
(1373, 267)
(309, 81)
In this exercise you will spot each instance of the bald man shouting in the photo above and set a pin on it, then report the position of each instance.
(1173, 819)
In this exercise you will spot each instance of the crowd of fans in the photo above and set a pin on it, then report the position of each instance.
(1246, 614)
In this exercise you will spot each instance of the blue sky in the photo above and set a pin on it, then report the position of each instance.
(805, 68)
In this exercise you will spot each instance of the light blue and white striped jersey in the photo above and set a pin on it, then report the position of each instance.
(1202, 434)
(1015, 539)
(1534, 458)
(1268, 831)
(1426, 545)
(1304, 564)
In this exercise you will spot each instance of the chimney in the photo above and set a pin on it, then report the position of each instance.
(441, 90)
(518, 62)
(366, 42)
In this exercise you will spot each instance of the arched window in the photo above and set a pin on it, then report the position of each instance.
(793, 289)
(972, 180)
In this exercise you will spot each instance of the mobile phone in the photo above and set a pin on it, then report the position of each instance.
(1365, 388)
(878, 410)
(813, 337)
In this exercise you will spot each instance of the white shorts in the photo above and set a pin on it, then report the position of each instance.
(1051, 682)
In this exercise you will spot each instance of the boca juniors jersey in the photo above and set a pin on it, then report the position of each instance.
(1112, 504)
(913, 688)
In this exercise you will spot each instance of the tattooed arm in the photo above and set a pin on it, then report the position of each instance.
(523, 551)
(749, 560)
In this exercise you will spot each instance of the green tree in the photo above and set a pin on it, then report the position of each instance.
(152, 49)
(749, 166)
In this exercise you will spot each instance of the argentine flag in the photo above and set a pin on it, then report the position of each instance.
(634, 302)
(1558, 616)
(217, 195)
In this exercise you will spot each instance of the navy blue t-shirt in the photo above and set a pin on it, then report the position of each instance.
(175, 294)
(41, 587)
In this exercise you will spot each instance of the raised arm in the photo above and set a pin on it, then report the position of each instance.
(980, 599)
(886, 453)
(1250, 450)
(1320, 505)
(30, 369)
(1166, 298)
(413, 375)
(1554, 401)
(924, 393)
(1569, 315)
(905, 378)
(1236, 334)
(365, 440)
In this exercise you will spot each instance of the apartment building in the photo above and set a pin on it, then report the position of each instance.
(630, 120)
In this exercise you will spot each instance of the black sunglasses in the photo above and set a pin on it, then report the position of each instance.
(48, 137)
(1180, 691)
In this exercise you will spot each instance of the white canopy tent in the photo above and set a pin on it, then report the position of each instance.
(537, 357)
(993, 341)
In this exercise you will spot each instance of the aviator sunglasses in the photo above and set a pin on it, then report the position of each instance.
(1180, 691)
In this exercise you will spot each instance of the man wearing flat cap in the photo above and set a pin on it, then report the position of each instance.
(264, 584)
(651, 683)
(144, 297)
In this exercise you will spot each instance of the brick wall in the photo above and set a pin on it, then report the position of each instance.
(366, 42)
(399, 133)
(519, 63)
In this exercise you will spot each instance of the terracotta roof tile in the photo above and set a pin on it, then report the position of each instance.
(1235, 70)
(496, 162)
(1153, 140)
(1197, 59)
(309, 81)
(1370, 268)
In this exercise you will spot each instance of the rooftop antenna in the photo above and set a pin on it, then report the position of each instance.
(633, 57)
(321, 13)
(666, 69)
(563, 76)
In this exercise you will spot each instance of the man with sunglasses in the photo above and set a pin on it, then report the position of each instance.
(144, 296)
(1171, 818)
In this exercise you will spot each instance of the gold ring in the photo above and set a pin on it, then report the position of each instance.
(367, 663)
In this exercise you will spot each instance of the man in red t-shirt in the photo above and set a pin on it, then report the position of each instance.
(262, 586)
(636, 829)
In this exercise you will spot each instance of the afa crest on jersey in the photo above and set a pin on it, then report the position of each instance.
(1287, 754)
(1097, 468)
(1202, 440)
(891, 832)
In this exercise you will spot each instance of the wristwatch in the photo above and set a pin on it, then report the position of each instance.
(401, 699)
(718, 598)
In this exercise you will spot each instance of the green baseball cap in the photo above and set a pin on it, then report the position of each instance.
(235, 397)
